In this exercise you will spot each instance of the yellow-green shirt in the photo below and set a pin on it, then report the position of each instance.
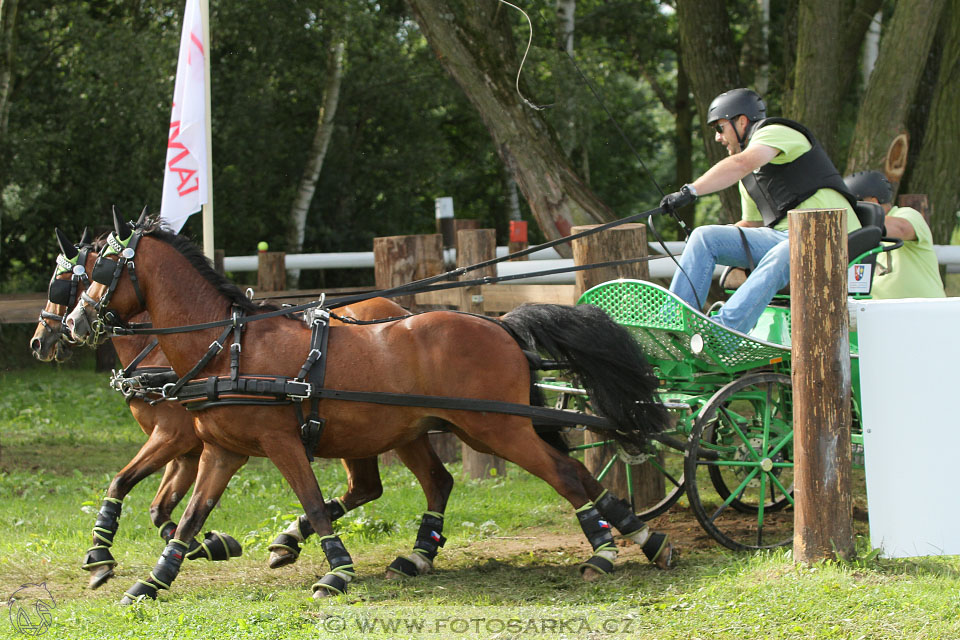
(912, 270)
(792, 144)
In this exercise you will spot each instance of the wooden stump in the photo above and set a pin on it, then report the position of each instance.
(823, 517)
(625, 241)
(475, 246)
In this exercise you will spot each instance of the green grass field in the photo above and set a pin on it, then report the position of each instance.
(508, 569)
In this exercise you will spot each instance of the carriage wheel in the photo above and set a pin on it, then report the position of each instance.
(739, 465)
(666, 461)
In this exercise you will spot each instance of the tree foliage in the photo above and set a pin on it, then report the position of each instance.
(85, 88)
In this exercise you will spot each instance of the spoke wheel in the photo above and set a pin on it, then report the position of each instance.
(739, 464)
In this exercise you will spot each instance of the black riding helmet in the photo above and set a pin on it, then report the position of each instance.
(730, 104)
(870, 184)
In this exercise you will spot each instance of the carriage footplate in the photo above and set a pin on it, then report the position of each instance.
(162, 575)
(216, 546)
(600, 536)
(429, 540)
(334, 583)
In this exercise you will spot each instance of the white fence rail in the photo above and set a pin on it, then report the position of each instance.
(543, 260)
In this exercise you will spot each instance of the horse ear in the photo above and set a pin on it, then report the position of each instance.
(120, 227)
(85, 238)
(143, 217)
(66, 247)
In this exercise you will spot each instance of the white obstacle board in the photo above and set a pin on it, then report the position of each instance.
(910, 384)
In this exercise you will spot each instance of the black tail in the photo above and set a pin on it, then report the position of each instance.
(606, 358)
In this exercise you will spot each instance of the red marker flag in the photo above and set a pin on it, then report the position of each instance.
(185, 188)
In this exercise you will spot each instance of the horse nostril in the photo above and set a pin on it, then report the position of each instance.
(35, 345)
(70, 325)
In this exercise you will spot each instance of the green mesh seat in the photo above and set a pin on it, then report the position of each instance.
(676, 338)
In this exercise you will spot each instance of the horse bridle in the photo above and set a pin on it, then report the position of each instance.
(64, 292)
(108, 272)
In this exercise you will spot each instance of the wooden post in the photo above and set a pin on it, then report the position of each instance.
(625, 241)
(823, 516)
(403, 259)
(271, 271)
(474, 246)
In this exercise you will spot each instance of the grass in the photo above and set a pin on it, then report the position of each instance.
(507, 571)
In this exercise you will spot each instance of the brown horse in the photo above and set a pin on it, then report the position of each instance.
(434, 355)
(172, 440)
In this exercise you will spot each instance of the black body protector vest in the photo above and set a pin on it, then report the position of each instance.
(778, 188)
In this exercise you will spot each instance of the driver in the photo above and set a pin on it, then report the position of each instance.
(912, 270)
(780, 166)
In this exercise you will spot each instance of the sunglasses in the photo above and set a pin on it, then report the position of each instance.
(719, 127)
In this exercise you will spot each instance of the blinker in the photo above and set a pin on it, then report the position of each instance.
(103, 271)
(59, 292)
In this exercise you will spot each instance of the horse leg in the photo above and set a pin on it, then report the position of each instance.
(217, 466)
(515, 440)
(286, 452)
(437, 484)
(155, 452)
(177, 479)
(363, 486)
(656, 546)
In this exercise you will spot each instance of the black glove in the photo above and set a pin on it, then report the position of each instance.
(678, 199)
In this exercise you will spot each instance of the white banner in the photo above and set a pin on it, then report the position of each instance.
(185, 188)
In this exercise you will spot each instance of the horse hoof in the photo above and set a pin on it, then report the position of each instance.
(98, 578)
(233, 547)
(665, 559)
(321, 593)
(393, 575)
(591, 575)
(126, 601)
(281, 558)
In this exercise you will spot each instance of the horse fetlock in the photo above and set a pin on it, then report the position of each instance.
(98, 556)
(163, 574)
(168, 530)
(341, 568)
(659, 550)
(599, 564)
(216, 546)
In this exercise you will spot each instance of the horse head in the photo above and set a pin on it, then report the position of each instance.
(50, 341)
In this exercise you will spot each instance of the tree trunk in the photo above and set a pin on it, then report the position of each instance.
(683, 138)
(474, 43)
(829, 39)
(710, 64)
(318, 151)
(8, 19)
(935, 171)
(893, 83)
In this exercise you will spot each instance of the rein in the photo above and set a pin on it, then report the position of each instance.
(431, 283)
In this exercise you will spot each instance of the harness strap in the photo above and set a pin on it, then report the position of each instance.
(130, 368)
(313, 372)
(171, 390)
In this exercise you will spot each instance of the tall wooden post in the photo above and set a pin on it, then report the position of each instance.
(474, 246)
(402, 259)
(625, 241)
(823, 517)
(271, 271)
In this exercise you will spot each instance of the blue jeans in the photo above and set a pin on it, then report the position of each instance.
(711, 245)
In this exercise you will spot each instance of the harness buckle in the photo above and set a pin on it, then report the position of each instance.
(307, 390)
(218, 345)
(164, 390)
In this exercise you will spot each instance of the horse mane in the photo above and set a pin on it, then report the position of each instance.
(156, 228)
